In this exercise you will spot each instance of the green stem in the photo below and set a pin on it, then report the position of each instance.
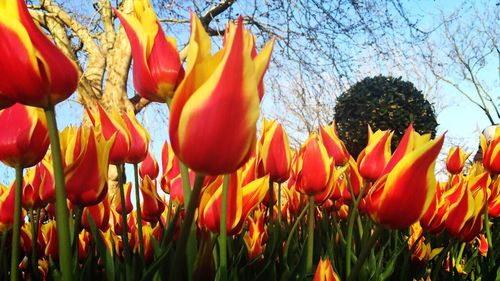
(223, 230)
(169, 214)
(178, 270)
(460, 253)
(126, 246)
(2, 256)
(271, 204)
(279, 206)
(63, 237)
(310, 235)
(365, 253)
(16, 231)
(293, 230)
(350, 227)
(487, 226)
(34, 240)
(138, 211)
(186, 184)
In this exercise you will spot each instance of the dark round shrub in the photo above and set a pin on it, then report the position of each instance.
(383, 103)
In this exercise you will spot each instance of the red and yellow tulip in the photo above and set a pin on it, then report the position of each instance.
(139, 138)
(116, 202)
(34, 71)
(215, 108)
(85, 161)
(241, 200)
(100, 214)
(491, 152)
(256, 235)
(170, 167)
(31, 189)
(153, 205)
(455, 160)
(333, 144)
(400, 198)
(23, 135)
(6, 207)
(157, 67)
(325, 272)
(314, 167)
(114, 129)
(273, 153)
(149, 167)
(494, 199)
(373, 159)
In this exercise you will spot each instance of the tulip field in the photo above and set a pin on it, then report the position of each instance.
(224, 201)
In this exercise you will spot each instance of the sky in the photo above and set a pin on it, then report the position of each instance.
(460, 119)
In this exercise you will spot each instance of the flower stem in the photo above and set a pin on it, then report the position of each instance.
(63, 237)
(178, 270)
(292, 231)
(126, 245)
(310, 235)
(350, 226)
(365, 252)
(16, 231)
(34, 241)
(2, 256)
(271, 204)
(487, 226)
(223, 230)
(138, 211)
(186, 188)
(440, 259)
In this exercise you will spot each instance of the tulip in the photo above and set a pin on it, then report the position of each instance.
(215, 108)
(256, 235)
(170, 167)
(274, 157)
(456, 160)
(6, 207)
(99, 213)
(176, 188)
(314, 167)
(494, 199)
(401, 197)
(83, 245)
(149, 167)
(157, 67)
(373, 159)
(333, 144)
(325, 272)
(483, 245)
(139, 138)
(31, 185)
(47, 189)
(114, 129)
(116, 201)
(149, 233)
(85, 162)
(491, 152)
(23, 136)
(153, 205)
(241, 200)
(34, 71)
(50, 234)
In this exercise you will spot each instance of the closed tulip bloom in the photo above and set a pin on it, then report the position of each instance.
(456, 160)
(491, 152)
(139, 139)
(157, 67)
(23, 135)
(494, 199)
(274, 156)
(31, 189)
(6, 207)
(483, 245)
(333, 144)
(400, 198)
(34, 71)
(85, 162)
(112, 126)
(325, 272)
(373, 159)
(241, 200)
(314, 167)
(153, 205)
(256, 235)
(149, 167)
(47, 189)
(50, 233)
(170, 167)
(215, 108)
(83, 245)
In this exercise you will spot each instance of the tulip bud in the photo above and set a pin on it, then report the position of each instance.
(274, 157)
(149, 167)
(6, 206)
(157, 67)
(85, 162)
(34, 71)
(50, 233)
(139, 138)
(31, 185)
(494, 199)
(23, 135)
(47, 189)
(256, 235)
(225, 82)
(373, 159)
(483, 245)
(314, 167)
(333, 144)
(153, 205)
(100, 214)
(325, 272)
(170, 167)
(456, 160)
(491, 152)
(116, 201)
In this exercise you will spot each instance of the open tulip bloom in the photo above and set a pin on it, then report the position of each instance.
(228, 202)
